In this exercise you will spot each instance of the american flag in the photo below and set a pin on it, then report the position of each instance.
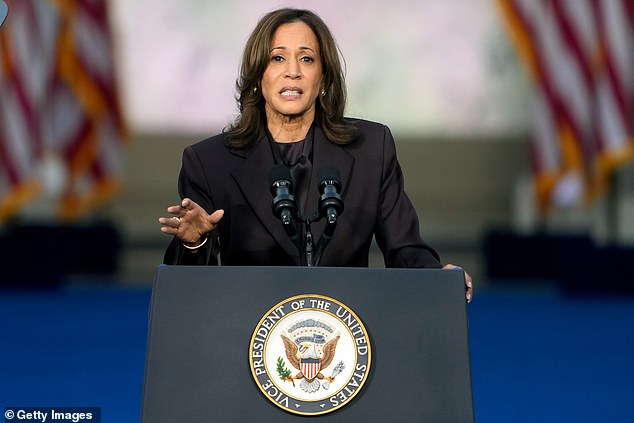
(580, 55)
(58, 104)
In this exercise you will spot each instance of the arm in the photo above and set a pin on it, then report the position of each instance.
(398, 232)
(193, 224)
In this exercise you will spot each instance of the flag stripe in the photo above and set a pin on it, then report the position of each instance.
(59, 100)
(579, 54)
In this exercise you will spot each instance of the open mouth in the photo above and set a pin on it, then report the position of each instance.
(291, 92)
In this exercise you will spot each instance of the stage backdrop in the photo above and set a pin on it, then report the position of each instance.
(421, 66)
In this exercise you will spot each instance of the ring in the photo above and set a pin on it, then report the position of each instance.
(177, 218)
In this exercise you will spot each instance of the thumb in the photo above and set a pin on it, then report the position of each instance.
(215, 217)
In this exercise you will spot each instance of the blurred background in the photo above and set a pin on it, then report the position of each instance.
(514, 122)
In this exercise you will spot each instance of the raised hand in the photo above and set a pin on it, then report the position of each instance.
(190, 222)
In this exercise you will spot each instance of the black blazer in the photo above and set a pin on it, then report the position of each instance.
(217, 177)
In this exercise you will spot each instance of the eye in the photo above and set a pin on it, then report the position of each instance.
(277, 58)
(307, 59)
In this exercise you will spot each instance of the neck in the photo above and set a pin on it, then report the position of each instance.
(285, 128)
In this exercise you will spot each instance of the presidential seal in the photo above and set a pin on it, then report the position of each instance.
(310, 354)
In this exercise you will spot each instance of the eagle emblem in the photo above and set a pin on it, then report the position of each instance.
(310, 340)
(310, 352)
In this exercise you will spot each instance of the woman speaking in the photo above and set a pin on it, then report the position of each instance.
(291, 97)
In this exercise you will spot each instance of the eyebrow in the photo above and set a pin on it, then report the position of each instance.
(285, 48)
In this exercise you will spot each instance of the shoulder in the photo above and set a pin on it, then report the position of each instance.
(217, 146)
(367, 126)
(208, 153)
(214, 148)
(213, 144)
(371, 134)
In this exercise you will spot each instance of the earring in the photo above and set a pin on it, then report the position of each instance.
(323, 92)
(255, 89)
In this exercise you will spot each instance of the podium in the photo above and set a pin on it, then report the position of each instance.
(203, 326)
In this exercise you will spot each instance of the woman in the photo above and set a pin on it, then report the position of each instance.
(291, 95)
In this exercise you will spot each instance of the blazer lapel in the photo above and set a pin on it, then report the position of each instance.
(253, 179)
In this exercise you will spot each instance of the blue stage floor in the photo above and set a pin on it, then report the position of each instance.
(536, 356)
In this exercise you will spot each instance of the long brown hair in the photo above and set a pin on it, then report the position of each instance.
(329, 109)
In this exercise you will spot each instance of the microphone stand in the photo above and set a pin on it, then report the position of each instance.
(309, 245)
(313, 253)
(305, 244)
(326, 236)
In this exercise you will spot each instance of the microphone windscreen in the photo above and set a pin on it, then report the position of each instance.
(279, 172)
(329, 173)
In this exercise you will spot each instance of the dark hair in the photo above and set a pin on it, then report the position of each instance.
(329, 108)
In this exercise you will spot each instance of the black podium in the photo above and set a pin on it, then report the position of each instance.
(202, 320)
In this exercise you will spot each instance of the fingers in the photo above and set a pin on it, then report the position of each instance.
(469, 293)
(467, 281)
(182, 208)
(169, 225)
(189, 204)
(190, 220)
(176, 210)
(172, 222)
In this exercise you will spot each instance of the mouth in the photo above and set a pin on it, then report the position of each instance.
(291, 92)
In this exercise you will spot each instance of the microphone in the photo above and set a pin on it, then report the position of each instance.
(330, 206)
(330, 203)
(284, 205)
(4, 11)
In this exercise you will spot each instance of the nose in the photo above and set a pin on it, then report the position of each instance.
(293, 70)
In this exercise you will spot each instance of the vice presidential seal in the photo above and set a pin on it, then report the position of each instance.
(310, 354)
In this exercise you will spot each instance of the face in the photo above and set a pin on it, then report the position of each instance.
(292, 79)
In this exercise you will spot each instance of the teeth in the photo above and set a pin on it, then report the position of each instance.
(290, 93)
